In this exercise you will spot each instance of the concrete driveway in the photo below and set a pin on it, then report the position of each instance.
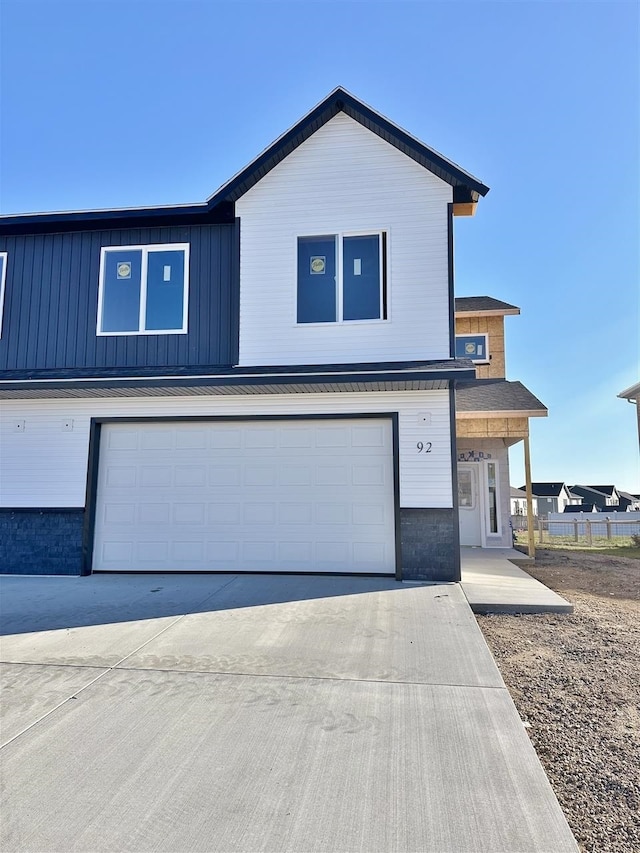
(260, 713)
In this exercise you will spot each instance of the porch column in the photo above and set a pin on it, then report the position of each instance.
(527, 476)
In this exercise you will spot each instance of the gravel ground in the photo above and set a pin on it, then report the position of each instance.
(576, 683)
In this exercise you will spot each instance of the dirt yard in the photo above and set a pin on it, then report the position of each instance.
(576, 683)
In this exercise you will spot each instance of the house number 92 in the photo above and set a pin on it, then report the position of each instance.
(424, 447)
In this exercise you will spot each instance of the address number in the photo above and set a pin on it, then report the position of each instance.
(424, 447)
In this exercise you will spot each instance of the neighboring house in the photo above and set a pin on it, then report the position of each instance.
(492, 414)
(261, 382)
(628, 502)
(601, 496)
(632, 395)
(518, 500)
(552, 497)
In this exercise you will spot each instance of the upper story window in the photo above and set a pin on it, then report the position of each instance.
(473, 347)
(3, 277)
(342, 277)
(144, 290)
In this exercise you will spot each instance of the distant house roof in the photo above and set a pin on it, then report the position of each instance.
(219, 207)
(546, 490)
(606, 490)
(497, 395)
(596, 496)
(628, 496)
(517, 493)
(632, 393)
(483, 305)
(580, 508)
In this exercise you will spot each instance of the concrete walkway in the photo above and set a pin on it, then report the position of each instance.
(493, 584)
(260, 713)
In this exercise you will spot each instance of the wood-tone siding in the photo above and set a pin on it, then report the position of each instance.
(493, 327)
(44, 464)
(492, 427)
(345, 179)
(51, 301)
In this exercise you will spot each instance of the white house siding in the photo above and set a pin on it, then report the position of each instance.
(500, 454)
(344, 178)
(44, 464)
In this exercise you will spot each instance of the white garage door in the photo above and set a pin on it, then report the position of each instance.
(246, 496)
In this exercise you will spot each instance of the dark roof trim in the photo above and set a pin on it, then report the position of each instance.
(96, 220)
(254, 377)
(219, 208)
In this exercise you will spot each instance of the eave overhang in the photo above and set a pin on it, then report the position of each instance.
(326, 379)
(497, 398)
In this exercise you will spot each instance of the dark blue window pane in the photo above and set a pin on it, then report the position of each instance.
(121, 291)
(361, 278)
(471, 346)
(317, 279)
(165, 290)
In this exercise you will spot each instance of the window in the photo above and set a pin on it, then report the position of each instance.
(143, 290)
(473, 347)
(492, 492)
(342, 278)
(465, 489)
(3, 276)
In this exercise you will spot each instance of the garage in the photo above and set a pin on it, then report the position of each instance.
(262, 495)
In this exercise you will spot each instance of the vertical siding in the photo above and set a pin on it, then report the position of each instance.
(342, 179)
(51, 302)
(47, 466)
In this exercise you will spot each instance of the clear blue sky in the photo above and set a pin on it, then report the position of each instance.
(109, 103)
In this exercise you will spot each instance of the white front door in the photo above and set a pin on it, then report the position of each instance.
(469, 504)
(246, 496)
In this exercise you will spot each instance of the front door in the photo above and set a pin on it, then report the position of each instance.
(469, 504)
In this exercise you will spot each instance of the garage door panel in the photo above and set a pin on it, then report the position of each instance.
(277, 496)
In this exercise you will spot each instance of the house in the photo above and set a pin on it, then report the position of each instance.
(260, 382)
(518, 501)
(628, 502)
(552, 497)
(603, 497)
(492, 414)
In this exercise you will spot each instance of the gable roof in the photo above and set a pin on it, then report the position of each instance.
(606, 490)
(483, 305)
(219, 207)
(517, 493)
(589, 492)
(467, 188)
(546, 490)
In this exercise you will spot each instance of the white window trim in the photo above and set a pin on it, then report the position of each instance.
(484, 335)
(145, 248)
(3, 278)
(384, 278)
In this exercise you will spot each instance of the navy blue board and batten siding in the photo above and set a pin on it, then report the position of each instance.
(51, 301)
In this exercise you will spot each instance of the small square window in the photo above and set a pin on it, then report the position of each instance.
(473, 347)
(144, 290)
(3, 276)
(342, 278)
